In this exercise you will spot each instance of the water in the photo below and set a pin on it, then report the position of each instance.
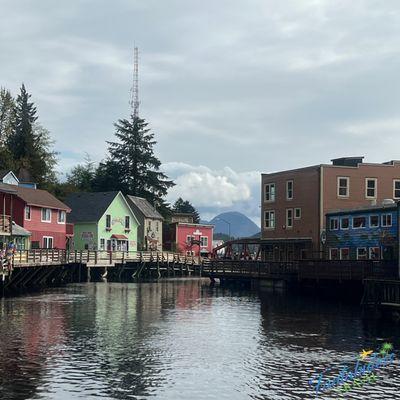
(181, 339)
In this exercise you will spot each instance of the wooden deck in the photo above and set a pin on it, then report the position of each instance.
(29, 258)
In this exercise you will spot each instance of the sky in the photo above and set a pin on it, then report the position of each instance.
(231, 89)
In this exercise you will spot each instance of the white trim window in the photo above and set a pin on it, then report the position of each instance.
(270, 192)
(189, 240)
(28, 213)
(371, 185)
(359, 222)
(386, 220)
(345, 253)
(289, 218)
(333, 253)
(344, 223)
(373, 221)
(108, 221)
(269, 219)
(61, 216)
(343, 186)
(374, 253)
(102, 244)
(396, 188)
(127, 222)
(204, 241)
(297, 213)
(46, 215)
(361, 253)
(289, 190)
(333, 224)
(48, 242)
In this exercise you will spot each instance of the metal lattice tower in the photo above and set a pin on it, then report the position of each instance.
(134, 102)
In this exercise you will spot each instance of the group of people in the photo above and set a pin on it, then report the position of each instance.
(7, 252)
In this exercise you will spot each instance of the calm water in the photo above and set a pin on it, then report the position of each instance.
(181, 339)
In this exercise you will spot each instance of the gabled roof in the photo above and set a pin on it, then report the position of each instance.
(144, 207)
(4, 172)
(38, 197)
(19, 230)
(89, 207)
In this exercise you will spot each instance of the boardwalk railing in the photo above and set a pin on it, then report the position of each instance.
(97, 258)
(381, 292)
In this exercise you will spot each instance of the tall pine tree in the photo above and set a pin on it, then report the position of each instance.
(132, 166)
(184, 206)
(7, 127)
(30, 144)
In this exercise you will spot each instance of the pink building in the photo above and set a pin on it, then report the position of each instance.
(186, 237)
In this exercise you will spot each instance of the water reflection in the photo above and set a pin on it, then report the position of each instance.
(179, 339)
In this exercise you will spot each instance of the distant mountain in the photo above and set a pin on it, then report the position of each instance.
(240, 225)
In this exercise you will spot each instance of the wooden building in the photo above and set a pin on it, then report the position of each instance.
(294, 202)
(150, 230)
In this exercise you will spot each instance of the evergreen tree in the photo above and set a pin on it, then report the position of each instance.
(81, 177)
(184, 206)
(132, 166)
(30, 144)
(7, 115)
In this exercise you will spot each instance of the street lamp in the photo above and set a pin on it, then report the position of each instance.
(227, 222)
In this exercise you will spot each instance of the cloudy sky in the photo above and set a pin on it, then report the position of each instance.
(230, 88)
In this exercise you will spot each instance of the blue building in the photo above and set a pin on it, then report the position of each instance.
(363, 233)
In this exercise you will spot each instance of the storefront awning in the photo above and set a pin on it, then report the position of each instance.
(119, 237)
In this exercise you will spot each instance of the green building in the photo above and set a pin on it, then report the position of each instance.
(102, 221)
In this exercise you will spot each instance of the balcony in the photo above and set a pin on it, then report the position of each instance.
(5, 225)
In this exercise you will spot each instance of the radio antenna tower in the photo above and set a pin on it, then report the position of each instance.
(134, 102)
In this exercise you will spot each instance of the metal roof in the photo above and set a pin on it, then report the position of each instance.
(144, 207)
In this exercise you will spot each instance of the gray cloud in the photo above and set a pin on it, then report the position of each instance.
(259, 86)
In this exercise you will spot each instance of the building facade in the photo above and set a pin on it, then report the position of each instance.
(102, 221)
(364, 233)
(150, 230)
(294, 203)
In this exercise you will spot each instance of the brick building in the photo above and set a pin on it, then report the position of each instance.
(294, 203)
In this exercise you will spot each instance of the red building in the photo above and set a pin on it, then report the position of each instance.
(40, 213)
(186, 237)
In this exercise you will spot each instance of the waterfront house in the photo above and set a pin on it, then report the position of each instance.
(294, 202)
(39, 213)
(150, 224)
(184, 236)
(363, 233)
(102, 221)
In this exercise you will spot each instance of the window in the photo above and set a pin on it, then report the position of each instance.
(108, 221)
(333, 224)
(127, 222)
(270, 192)
(157, 226)
(343, 186)
(61, 217)
(374, 253)
(148, 226)
(386, 220)
(269, 219)
(189, 239)
(102, 244)
(46, 215)
(358, 222)
(361, 253)
(344, 223)
(333, 254)
(297, 213)
(289, 190)
(345, 253)
(28, 213)
(396, 189)
(370, 188)
(289, 218)
(373, 221)
(204, 241)
(47, 242)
